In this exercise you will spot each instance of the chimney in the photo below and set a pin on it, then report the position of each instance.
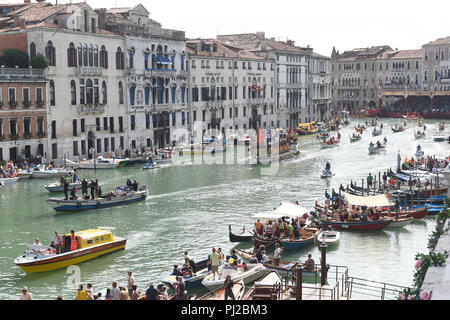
(260, 35)
(26, 1)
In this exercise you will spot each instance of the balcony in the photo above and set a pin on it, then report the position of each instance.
(95, 109)
(90, 71)
(22, 74)
(160, 72)
(255, 100)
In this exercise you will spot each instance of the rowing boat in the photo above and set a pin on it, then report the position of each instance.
(356, 138)
(358, 225)
(376, 149)
(401, 222)
(244, 236)
(255, 272)
(307, 236)
(398, 129)
(190, 282)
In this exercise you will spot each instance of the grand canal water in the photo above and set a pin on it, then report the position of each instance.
(191, 206)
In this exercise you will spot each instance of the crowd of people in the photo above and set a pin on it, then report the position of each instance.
(9, 170)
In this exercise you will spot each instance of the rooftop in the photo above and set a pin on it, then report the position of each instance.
(218, 49)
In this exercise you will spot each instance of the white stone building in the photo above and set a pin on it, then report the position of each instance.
(230, 88)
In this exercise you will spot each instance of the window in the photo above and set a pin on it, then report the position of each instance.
(73, 93)
(104, 93)
(131, 55)
(39, 126)
(106, 144)
(82, 125)
(50, 53)
(27, 126)
(120, 93)
(96, 56)
(53, 129)
(119, 59)
(71, 55)
(132, 122)
(52, 93)
(25, 95)
(132, 92)
(105, 123)
(12, 96)
(89, 92)
(91, 55)
(83, 147)
(74, 127)
(120, 124)
(97, 124)
(32, 50)
(103, 58)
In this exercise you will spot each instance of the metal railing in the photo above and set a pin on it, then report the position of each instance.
(21, 73)
(370, 288)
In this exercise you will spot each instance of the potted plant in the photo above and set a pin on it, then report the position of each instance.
(26, 104)
(40, 104)
(13, 104)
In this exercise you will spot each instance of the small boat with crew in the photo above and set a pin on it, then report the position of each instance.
(307, 237)
(244, 236)
(376, 132)
(378, 147)
(50, 172)
(442, 126)
(102, 163)
(120, 196)
(330, 142)
(397, 128)
(237, 273)
(355, 137)
(191, 281)
(326, 173)
(219, 294)
(58, 187)
(419, 134)
(81, 246)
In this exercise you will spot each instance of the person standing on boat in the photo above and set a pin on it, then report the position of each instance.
(84, 188)
(114, 292)
(214, 261)
(73, 241)
(222, 255)
(228, 284)
(277, 254)
(66, 189)
(92, 189)
(58, 242)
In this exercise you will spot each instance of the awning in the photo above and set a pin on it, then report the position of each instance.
(370, 201)
(267, 215)
(291, 210)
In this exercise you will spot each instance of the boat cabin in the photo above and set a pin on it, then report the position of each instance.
(88, 238)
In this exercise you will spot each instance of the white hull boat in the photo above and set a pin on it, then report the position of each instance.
(255, 272)
(57, 187)
(326, 174)
(329, 237)
(8, 180)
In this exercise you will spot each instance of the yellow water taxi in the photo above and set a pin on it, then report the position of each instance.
(92, 243)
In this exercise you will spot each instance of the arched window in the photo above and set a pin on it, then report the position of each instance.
(132, 92)
(131, 58)
(80, 54)
(50, 53)
(71, 55)
(147, 95)
(32, 50)
(52, 93)
(91, 55)
(104, 93)
(96, 56)
(73, 93)
(120, 93)
(89, 92)
(119, 59)
(85, 55)
(103, 57)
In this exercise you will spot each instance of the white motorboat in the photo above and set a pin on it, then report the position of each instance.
(326, 174)
(149, 166)
(58, 187)
(255, 272)
(401, 222)
(329, 237)
(8, 180)
(24, 174)
(40, 172)
(100, 163)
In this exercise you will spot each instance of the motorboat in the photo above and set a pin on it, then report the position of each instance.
(238, 290)
(8, 180)
(265, 288)
(58, 187)
(326, 174)
(255, 272)
(101, 163)
(92, 243)
(121, 196)
(149, 166)
(43, 172)
(329, 237)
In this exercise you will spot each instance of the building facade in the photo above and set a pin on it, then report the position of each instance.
(230, 88)
(23, 114)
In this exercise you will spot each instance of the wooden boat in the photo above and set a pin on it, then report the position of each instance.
(190, 282)
(329, 237)
(255, 272)
(265, 289)
(370, 225)
(356, 138)
(244, 236)
(377, 132)
(401, 222)
(307, 236)
(58, 187)
(125, 196)
(329, 144)
(92, 243)
(419, 134)
(376, 149)
(219, 294)
(307, 128)
(398, 129)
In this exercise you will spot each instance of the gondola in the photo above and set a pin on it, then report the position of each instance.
(398, 129)
(244, 236)
(307, 237)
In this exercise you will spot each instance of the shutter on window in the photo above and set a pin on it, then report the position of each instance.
(68, 57)
(54, 56)
(106, 60)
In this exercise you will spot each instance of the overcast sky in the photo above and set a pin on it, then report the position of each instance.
(322, 24)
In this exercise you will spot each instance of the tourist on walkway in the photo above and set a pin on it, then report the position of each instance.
(151, 292)
(114, 292)
(309, 264)
(81, 293)
(25, 294)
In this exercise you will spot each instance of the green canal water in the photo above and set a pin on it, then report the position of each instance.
(191, 205)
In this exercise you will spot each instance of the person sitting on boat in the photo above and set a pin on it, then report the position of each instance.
(378, 144)
(73, 194)
(371, 144)
(37, 246)
(259, 227)
(176, 271)
(191, 263)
